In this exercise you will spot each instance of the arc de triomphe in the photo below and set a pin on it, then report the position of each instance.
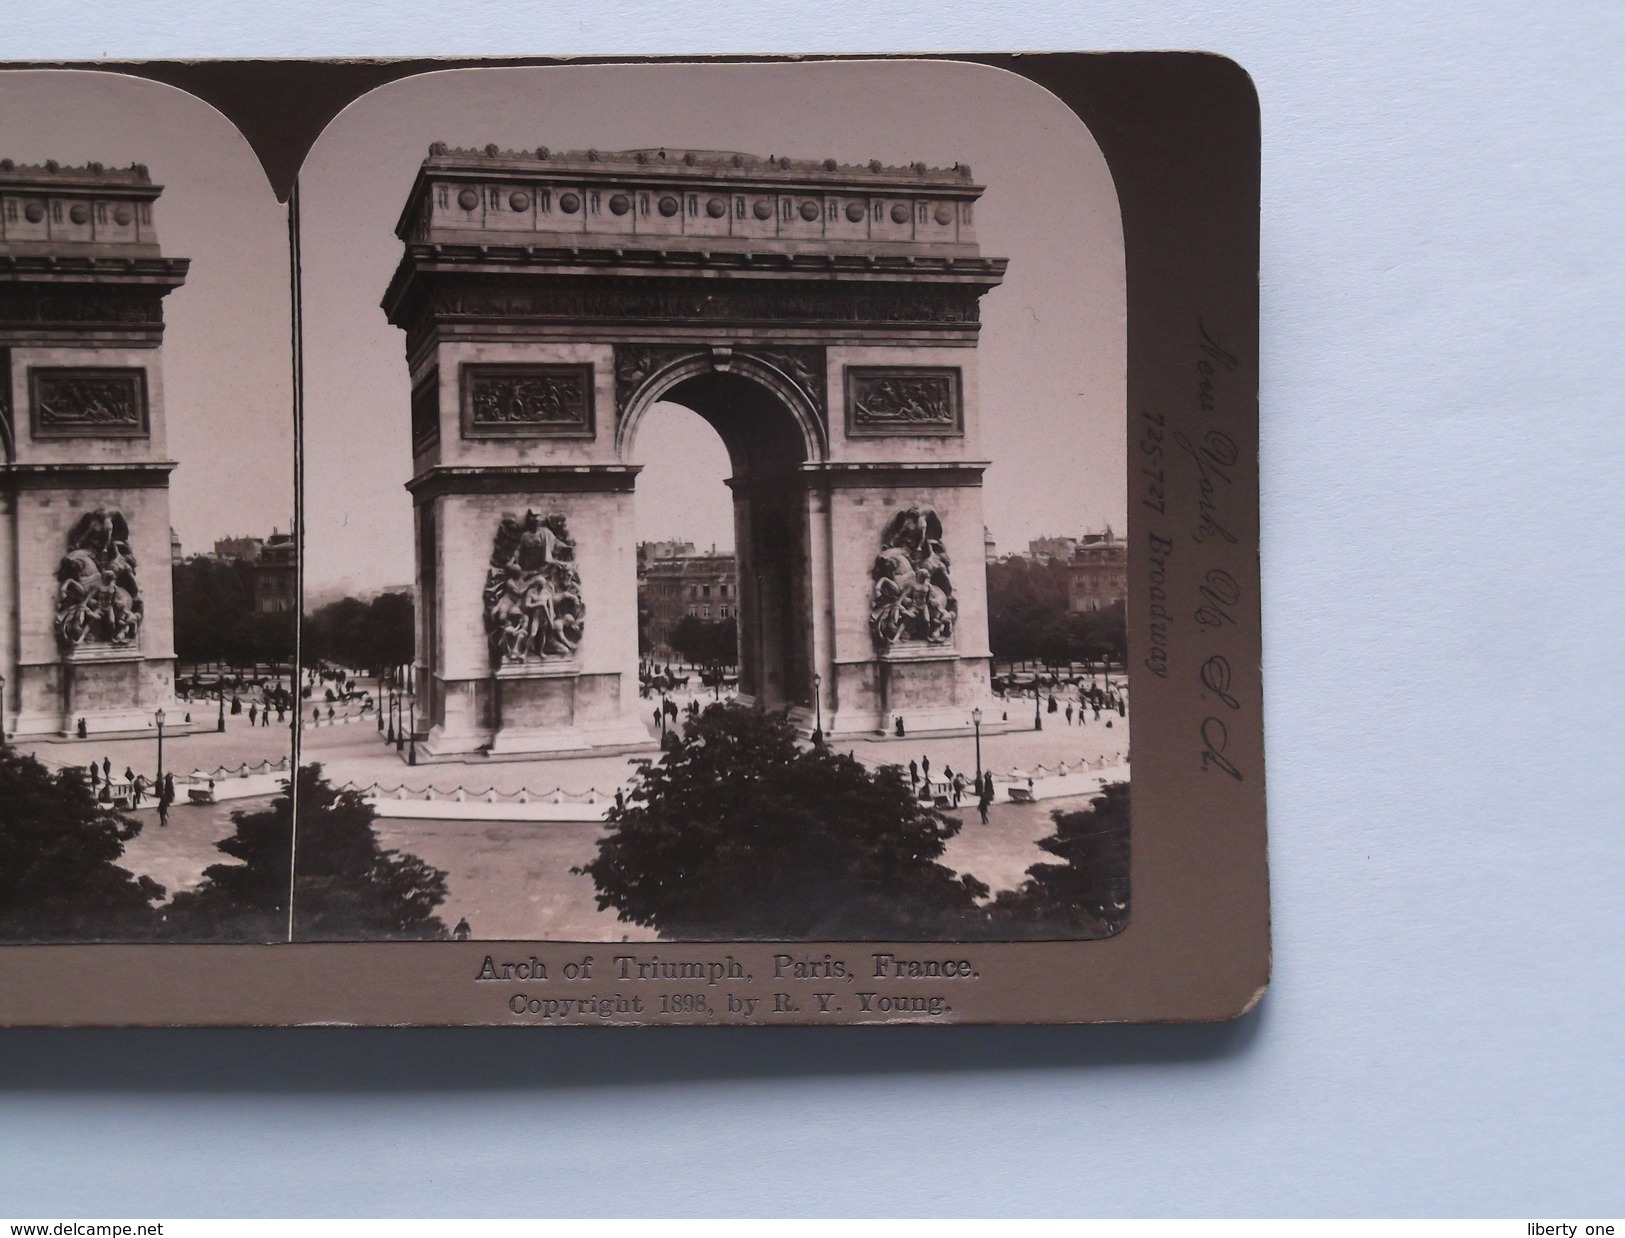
(822, 318)
(86, 626)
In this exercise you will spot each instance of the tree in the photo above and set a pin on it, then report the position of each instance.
(214, 606)
(59, 874)
(348, 887)
(705, 642)
(1029, 617)
(350, 632)
(740, 832)
(1024, 600)
(1087, 895)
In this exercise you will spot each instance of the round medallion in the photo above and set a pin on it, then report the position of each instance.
(716, 208)
(79, 213)
(569, 203)
(855, 212)
(468, 199)
(620, 204)
(519, 200)
(668, 206)
(35, 212)
(762, 209)
(809, 210)
(122, 215)
(899, 212)
(945, 214)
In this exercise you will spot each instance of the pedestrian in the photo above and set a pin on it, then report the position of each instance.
(982, 801)
(83, 730)
(900, 732)
(315, 714)
(95, 776)
(107, 769)
(163, 812)
(462, 932)
(265, 716)
(330, 713)
(129, 775)
(1122, 709)
(1052, 705)
(959, 788)
(253, 715)
(1069, 714)
(138, 786)
(987, 785)
(914, 775)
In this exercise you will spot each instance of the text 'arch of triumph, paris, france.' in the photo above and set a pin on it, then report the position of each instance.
(822, 318)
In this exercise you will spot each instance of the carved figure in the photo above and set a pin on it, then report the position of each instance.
(98, 597)
(533, 606)
(913, 597)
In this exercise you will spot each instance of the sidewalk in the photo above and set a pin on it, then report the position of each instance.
(1028, 762)
(223, 754)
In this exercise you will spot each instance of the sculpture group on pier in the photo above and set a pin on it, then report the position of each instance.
(533, 606)
(98, 599)
(913, 597)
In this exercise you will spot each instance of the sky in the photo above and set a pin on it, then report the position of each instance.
(1052, 345)
(227, 363)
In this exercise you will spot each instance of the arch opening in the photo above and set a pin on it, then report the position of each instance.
(768, 597)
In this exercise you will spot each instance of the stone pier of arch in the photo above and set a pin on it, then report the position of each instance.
(822, 318)
(86, 624)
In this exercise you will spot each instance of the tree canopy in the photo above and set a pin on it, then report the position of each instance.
(1029, 617)
(706, 642)
(349, 888)
(1085, 896)
(372, 634)
(215, 619)
(59, 850)
(738, 831)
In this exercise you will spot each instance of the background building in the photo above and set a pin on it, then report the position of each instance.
(686, 586)
(1051, 549)
(276, 575)
(1098, 572)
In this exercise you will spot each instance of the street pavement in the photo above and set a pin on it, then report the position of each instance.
(205, 750)
(512, 879)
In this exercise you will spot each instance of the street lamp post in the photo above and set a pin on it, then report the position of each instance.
(1038, 717)
(2, 713)
(818, 707)
(976, 721)
(412, 741)
(220, 724)
(159, 719)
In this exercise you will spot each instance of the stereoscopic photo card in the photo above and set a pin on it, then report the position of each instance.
(654, 542)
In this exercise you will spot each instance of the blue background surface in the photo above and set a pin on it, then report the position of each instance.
(1443, 447)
